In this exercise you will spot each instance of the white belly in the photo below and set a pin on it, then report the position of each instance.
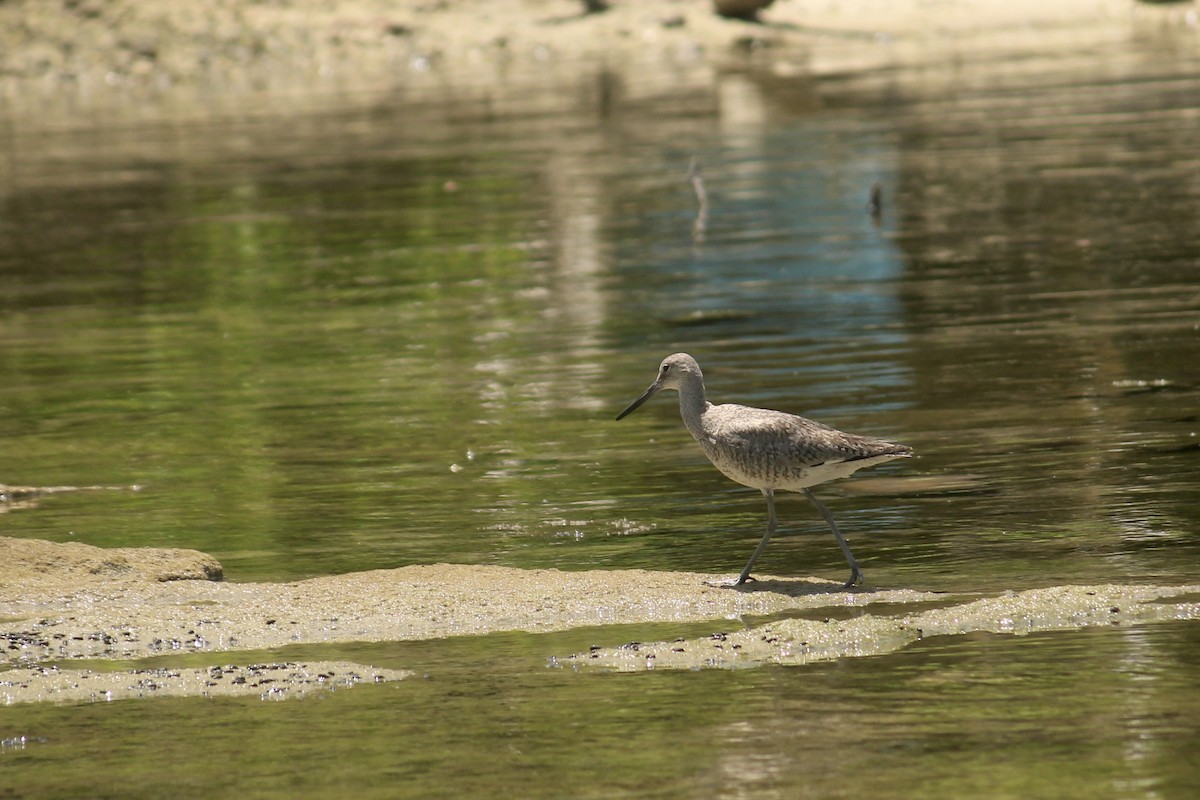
(792, 478)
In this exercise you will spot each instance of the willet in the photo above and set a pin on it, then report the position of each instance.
(768, 450)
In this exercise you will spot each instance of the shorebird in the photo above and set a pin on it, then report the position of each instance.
(768, 450)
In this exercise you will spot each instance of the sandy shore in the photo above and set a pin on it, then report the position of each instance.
(66, 602)
(140, 55)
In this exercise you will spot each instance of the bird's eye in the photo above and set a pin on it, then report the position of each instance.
(666, 368)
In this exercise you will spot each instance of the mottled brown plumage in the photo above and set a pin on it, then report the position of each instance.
(768, 450)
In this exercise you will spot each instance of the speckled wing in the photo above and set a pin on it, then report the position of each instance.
(771, 449)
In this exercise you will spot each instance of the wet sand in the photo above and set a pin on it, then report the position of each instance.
(801, 641)
(278, 681)
(69, 609)
(62, 602)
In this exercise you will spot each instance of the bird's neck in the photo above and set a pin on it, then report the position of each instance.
(692, 405)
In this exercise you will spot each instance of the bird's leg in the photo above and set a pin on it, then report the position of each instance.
(770, 495)
(855, 573)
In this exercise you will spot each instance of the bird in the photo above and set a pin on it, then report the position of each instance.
(768, 450)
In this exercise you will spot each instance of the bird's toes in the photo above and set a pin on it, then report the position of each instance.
(730, 584)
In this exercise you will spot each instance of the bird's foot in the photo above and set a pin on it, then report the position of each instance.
(856, 577)
(741, 580)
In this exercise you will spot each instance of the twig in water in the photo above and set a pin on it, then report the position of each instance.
(875, 204)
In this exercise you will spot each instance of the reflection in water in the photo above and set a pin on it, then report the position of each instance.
(1049, 265)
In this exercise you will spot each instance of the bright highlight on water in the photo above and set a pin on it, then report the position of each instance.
(768, 450)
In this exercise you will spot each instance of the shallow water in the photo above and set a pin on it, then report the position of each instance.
(980, 715)
(345, 341)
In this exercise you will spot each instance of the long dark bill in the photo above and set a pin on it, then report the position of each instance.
(646, 395)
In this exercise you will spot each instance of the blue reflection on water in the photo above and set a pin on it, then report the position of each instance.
(793, 272)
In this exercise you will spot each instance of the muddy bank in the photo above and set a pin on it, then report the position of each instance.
(75, 612)
(61, 602)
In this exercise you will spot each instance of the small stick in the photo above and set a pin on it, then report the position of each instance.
(875, 204)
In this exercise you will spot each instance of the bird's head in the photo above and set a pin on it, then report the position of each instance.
(674, 372)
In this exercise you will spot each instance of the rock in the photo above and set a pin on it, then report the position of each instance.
(740, 9)
(42, 561)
